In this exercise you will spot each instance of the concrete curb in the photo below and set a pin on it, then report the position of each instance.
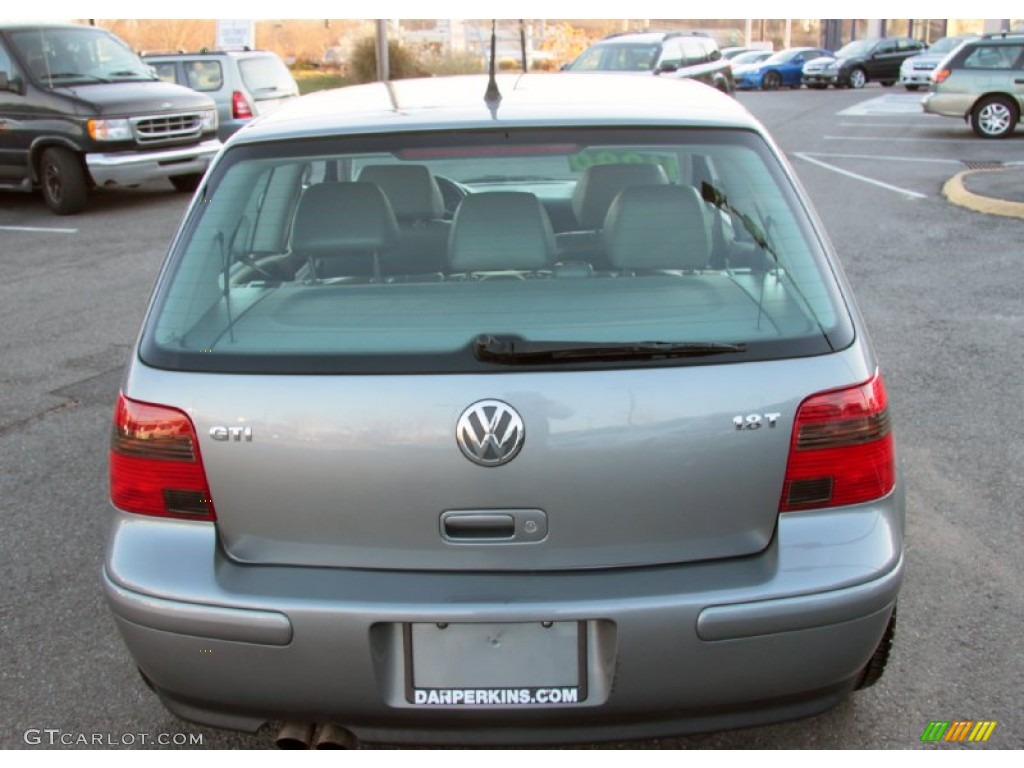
(955, 191)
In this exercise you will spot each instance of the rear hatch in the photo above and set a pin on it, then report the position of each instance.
(622, 467)
(268, 80)
(655, 368)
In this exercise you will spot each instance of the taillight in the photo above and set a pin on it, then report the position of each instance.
(940, 75)
(155, 467)
(240, 107)
(841, 451)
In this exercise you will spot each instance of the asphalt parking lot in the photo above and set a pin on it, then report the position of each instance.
(940, 288)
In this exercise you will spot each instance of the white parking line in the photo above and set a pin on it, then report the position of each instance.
(894, 124)
(58, 230)
(889, 138)
(890, 104)
(876, 182)
(887, 158)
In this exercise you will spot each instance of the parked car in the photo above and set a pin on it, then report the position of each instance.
(780, 69)
(79, 110)
(747, 58)
(398, 456)
(694, 56)
(244, 84)
(860, 62)
(916, 72)
(735, 50)
(982, 82)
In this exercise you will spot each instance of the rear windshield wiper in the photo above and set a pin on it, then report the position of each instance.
(515, 350)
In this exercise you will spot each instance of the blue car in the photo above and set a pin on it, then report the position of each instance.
(779, 69)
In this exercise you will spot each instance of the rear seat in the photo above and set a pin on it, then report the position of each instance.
(594, 193)
(419, 207)
(501, 233)
(344, 228)
(654, 228)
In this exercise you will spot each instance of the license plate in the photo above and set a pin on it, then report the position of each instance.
(496, 665)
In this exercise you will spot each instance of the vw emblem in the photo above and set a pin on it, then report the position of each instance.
(490, 433)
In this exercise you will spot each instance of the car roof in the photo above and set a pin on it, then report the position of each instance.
(796, 50)
(538, 100)
(634, 37)
(21, 26)
(211, 54)
(1008, 38)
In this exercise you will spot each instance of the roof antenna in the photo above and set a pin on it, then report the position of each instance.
(492, 96)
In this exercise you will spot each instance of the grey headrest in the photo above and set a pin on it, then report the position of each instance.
(411, 190)
(342, 217)
(500, 230)
(599, 185)
(657, 227)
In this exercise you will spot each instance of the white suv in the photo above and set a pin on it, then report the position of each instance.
(244, 84)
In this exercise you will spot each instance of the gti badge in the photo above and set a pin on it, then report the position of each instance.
(490, 433)
(238, 434)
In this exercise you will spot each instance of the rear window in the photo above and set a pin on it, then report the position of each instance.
(993, 57)
(265, 74)
(204, 75)
(618, 57)
(400, 253)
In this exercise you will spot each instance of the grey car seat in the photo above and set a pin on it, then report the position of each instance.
(496, 232)
(344, 229)
(418, 205)
(594, 193)
(655, 227)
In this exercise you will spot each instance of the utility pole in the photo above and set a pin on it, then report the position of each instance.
(382, 51)
(522, 43)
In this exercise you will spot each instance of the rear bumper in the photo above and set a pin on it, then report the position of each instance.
(131, 168)
(672, 649)
(948, 104)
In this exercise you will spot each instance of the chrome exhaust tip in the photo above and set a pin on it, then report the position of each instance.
(333, 736)
(295, 736)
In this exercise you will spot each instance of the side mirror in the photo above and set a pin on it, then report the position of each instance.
(668, 66)
(715, 55)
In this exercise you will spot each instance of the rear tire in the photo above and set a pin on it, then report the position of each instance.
(994, 117)
(187, 183)
(873, 670)
(63, 180)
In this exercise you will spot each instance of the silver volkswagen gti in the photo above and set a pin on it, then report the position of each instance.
(542, 418)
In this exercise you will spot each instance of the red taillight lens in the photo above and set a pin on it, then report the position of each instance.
(240, 107)
(841, 451)
(155, 467)
(940, 75)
